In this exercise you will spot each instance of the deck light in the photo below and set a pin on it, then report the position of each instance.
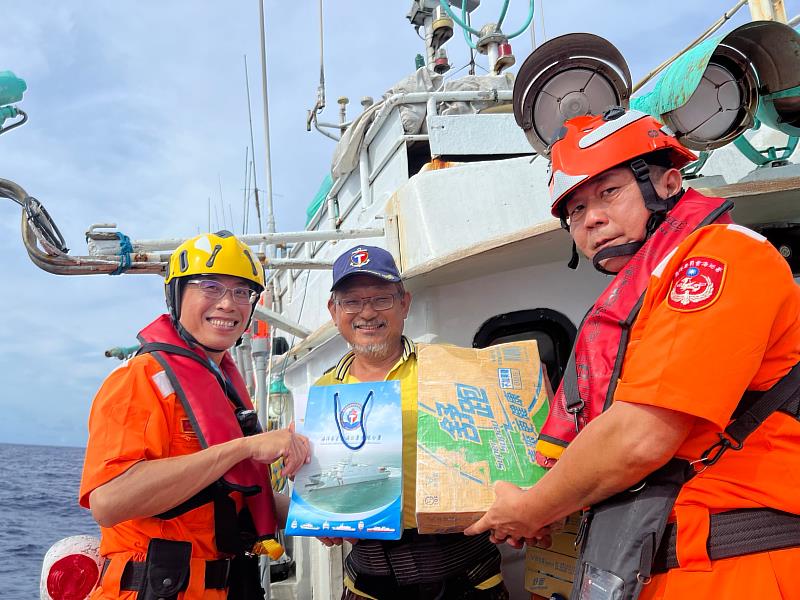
(568, 76)
(710, 95)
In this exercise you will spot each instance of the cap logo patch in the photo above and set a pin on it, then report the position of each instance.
(697, 284)
(359, 258)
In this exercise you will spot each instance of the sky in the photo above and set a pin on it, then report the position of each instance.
(138, 115)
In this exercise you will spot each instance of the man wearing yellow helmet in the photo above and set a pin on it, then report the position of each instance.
(176, 468)
(678, 414)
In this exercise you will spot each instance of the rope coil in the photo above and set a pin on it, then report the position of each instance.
(125, 251)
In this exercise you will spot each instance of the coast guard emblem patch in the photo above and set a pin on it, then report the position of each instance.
(359, 258)
(350, 416)
(697, 284)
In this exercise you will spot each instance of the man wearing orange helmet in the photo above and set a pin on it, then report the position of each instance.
(176, 467)
(677, 419)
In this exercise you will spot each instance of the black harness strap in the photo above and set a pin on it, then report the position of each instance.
(736, 533)
(134, 573)
(572, 395)
(746, 531)
(784, 396)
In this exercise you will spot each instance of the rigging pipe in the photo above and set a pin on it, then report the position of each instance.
(298, 263)
(279, 321)
(332, 211)
(53, 260)
(318, 125)
(122, 352)
(254, 239)
(245, 349)
(363, 172)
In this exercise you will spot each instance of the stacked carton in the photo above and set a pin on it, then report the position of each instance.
(480, 412)
(551, 571)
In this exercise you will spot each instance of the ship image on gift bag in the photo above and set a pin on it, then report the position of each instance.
(352, 487)
(479, 416)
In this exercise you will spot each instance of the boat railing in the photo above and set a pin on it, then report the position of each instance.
(330, 210)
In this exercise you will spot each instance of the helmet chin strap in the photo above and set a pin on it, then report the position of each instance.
(628, 249)
(658, 207)
(192, 341)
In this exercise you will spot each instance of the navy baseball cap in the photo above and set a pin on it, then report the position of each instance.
(368, 260)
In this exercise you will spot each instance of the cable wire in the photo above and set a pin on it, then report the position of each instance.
(528, 21)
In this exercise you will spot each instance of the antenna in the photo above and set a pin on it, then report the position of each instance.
(222, 203)
(246, 189)
(267, 150)
(252, 146)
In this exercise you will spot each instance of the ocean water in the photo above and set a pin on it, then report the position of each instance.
(38, 506)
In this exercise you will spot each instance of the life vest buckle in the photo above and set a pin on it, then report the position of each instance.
(715, 452)
(575, 410)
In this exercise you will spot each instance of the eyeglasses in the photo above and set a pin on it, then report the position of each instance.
(214, 290)
(353, 306)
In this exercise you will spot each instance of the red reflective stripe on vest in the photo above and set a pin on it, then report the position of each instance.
(212, 416)
(601, 342)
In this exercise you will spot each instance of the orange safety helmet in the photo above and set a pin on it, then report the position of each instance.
(589, 145)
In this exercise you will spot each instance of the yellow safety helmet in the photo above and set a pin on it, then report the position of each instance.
(219, 253)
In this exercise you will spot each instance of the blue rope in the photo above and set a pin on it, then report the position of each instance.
(361, 423)
(125, 251)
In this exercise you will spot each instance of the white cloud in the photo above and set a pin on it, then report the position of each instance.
(138, 110)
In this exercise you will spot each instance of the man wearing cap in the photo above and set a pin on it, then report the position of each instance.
(369, 305)
(678, 419)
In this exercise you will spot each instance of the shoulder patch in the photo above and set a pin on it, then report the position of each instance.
(162, 382)
(697, 284)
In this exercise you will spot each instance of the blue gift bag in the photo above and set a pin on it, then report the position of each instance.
(353, 486)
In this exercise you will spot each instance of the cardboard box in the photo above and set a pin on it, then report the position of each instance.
(564, 543)
(544, 585)
(550, 563)
(480, 413)
(573, 523)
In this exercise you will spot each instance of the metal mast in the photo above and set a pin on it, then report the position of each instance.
(267, 160)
